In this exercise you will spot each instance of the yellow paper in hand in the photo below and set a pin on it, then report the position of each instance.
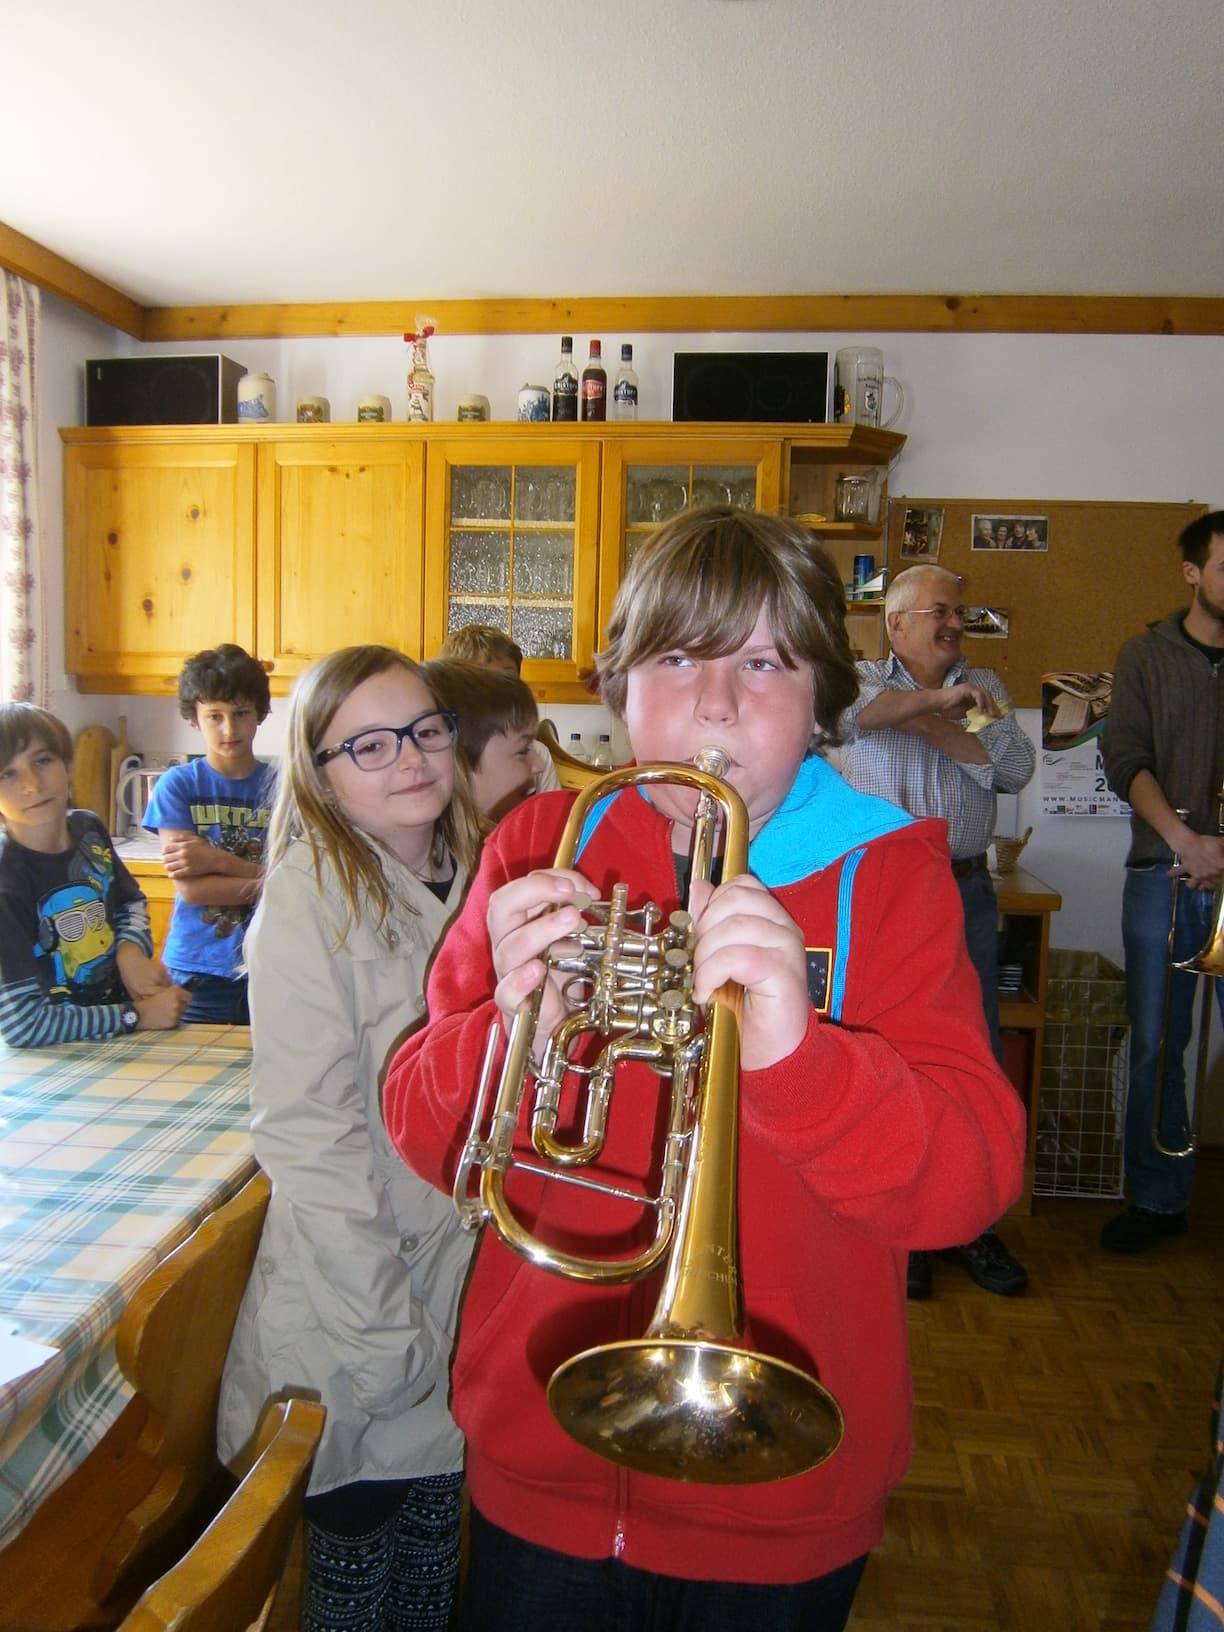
(977, 719)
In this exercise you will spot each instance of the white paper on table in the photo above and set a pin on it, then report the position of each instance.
(19, 1357)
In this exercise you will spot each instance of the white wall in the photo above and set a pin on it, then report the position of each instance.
(999, 416)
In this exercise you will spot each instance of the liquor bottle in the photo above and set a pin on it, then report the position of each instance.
(575, 746)
(565, 383)
(593, 391)
(625, 391)
(420, 375)
(602, 757)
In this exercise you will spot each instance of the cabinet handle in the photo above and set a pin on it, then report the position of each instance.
(267, 665)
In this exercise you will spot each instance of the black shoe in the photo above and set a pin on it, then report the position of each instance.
(918, 1276)
(990, 1265)
(1137, 1229)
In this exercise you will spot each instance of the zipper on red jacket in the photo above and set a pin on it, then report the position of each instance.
(637, 1319)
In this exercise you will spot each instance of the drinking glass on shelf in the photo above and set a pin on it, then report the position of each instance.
(667, 498)
(708, 491)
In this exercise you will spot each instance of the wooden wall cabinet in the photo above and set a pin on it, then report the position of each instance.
(293, 540)
(339, 548)
(159, 893)
(158, 556)
(512, 540)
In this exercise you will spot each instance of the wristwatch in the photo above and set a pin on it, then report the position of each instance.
(130, 1018)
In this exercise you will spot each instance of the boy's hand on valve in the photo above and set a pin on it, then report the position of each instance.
(745, 935)
(526, 917)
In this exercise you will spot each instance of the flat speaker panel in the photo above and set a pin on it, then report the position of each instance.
(196, 390)
(766, 387)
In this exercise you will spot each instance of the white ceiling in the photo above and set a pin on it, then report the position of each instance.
(248, 151)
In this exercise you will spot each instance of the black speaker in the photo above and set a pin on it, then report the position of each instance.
(200, 390)
(773, 387)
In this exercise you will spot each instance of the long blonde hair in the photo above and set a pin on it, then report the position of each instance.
(304, 808)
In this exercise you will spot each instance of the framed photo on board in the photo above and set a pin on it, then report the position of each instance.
(921, 534)
(1011, 532)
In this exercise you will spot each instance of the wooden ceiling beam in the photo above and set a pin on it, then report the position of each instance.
(703, 314)
(635, 314)
(37, 264)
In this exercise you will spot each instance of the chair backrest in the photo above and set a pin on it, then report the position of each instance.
(171, 1342)
(227, 1580)
(154, 1480)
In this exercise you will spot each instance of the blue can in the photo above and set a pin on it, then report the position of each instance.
(864, 568)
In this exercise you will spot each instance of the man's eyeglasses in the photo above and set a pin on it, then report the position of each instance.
(940, 612)
(374, 750)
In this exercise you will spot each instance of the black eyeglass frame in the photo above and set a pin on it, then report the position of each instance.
(324, 756)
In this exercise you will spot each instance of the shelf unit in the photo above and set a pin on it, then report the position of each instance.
(1025, 908)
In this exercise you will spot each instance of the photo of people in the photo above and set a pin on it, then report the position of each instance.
(993, 622)
(1010, 532)
(921, 534)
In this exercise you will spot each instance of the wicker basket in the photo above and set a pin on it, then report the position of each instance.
(1007, 851)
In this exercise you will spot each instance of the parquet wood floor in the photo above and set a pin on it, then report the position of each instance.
(1057, 1435)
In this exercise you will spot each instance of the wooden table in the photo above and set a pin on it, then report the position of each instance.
(1025, 907)
(111, 1153)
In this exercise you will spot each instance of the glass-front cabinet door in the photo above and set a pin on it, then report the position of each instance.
(512, 528)
(647, 481)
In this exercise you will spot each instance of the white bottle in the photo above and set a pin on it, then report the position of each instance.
(602, 757)
(625, 391)
(574, 748)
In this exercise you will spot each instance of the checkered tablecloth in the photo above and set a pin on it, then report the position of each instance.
(110, 1154)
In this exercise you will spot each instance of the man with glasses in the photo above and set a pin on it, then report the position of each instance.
(940, 739)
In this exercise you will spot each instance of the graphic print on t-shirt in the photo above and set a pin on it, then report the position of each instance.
(240, 830)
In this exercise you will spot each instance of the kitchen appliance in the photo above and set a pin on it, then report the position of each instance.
(137, 779)
(199, 390)
(775, 387)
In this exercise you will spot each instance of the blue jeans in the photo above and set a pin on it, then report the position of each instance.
(1162, 1184)
(982, 938)
(216, 1000)
(515, 1586)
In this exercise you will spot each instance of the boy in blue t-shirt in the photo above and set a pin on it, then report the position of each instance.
(211, 816)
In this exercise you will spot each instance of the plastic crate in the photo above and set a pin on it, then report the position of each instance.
(1081, 1106)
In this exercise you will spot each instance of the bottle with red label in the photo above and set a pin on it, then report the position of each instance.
(593, 388)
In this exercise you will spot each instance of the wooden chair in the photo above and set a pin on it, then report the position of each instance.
(153, 1481)
(228, 1579)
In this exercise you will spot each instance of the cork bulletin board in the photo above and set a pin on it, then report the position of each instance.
(1096, 574)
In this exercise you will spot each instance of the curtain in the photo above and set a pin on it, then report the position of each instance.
(21, 656)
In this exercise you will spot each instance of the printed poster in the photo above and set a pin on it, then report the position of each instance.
(1074, 707)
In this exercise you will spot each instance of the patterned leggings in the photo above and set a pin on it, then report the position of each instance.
(382, 1557)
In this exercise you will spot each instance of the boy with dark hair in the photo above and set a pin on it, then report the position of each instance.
(75, 948)
(491, 648)
(211, 816)
(497, 731)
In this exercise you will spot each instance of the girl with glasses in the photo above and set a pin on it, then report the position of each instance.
(356, 1285)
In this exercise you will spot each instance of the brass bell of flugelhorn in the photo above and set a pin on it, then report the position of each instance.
(1208, 961)
(685, 1401)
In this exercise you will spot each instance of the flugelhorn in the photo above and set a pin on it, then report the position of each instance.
(1207, 961)
(685, 1401)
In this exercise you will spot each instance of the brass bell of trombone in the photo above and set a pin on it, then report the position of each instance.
(685, 1401)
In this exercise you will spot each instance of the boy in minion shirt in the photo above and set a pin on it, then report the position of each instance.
(74, 927)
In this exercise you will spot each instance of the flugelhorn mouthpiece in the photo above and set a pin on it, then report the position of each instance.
(713, 761)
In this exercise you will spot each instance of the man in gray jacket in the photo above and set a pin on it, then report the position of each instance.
(1163, 747)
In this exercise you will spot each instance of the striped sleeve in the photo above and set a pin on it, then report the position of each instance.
(28, 1019)
(132, 924)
